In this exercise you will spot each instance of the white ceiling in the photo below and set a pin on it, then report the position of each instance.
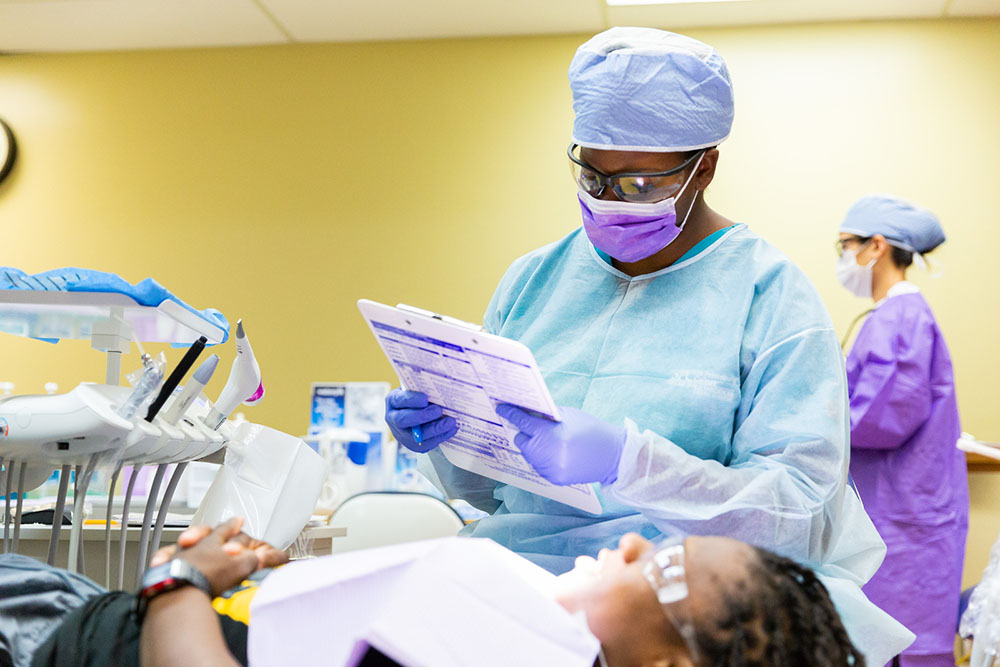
(84, 25)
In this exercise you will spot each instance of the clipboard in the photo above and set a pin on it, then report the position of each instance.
(468, 372)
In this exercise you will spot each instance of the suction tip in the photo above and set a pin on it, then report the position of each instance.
(239, 329)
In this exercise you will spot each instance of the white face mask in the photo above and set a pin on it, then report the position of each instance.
(857, 278)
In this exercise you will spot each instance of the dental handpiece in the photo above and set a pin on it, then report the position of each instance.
(243, 386)
(175, 377)
(191, 390)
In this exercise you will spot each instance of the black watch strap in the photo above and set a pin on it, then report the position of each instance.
(167, 577)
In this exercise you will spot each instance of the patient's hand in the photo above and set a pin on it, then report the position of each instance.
(267, 555)
(224, 555)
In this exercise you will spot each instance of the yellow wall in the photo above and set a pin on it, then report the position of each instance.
(280, 184)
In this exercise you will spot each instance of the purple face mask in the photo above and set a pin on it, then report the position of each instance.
(631, 231)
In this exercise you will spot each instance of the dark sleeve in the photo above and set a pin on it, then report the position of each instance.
(105, 631)
(235, 634)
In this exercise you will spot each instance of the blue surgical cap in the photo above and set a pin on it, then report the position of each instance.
(640, 89)
(902, 223)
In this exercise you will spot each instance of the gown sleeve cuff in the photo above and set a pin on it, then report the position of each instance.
(634, 464)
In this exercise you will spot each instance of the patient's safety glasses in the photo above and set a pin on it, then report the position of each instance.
(644, 187)
(664, 570)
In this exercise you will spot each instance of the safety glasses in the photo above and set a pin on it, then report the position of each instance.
(644, 187)
(665, 572)
(843, 245)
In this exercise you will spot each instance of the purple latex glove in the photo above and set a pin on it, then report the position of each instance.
(578, 450)
(416, 423)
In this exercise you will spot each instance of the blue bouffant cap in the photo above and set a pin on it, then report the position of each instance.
(902, 223)
(641, 89)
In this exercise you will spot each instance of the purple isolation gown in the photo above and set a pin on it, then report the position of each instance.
(909, 474)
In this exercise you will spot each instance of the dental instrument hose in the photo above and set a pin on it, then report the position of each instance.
(57, 515)
(124, 532)
(147, 523)
(76, 530)
(149, 380)
(6, 511)
(161, 518)
(20, 504)
(107, 526)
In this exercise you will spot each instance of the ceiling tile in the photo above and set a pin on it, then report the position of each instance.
(974, 8)
(744, 12)
(69, 25)
(356, 20)
(81, 25)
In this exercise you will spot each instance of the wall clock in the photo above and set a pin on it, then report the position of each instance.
(8, 149)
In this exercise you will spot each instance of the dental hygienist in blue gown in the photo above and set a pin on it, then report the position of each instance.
(701, 384)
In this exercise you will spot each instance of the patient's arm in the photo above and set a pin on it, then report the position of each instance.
(180, 626)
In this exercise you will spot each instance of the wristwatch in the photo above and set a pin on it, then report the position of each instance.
(167, 577)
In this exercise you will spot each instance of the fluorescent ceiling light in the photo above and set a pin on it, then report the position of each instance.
(621, 3)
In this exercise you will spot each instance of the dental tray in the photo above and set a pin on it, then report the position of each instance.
(69, 302)
(71, 315)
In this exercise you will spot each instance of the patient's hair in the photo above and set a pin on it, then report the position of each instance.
(779, 616)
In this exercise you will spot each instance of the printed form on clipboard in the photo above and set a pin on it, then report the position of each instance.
(468, 373)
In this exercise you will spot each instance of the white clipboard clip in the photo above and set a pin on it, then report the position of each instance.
(436, 316)
(967, 443)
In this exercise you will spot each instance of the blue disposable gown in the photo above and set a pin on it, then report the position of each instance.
(911, 477)
(728, 376)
